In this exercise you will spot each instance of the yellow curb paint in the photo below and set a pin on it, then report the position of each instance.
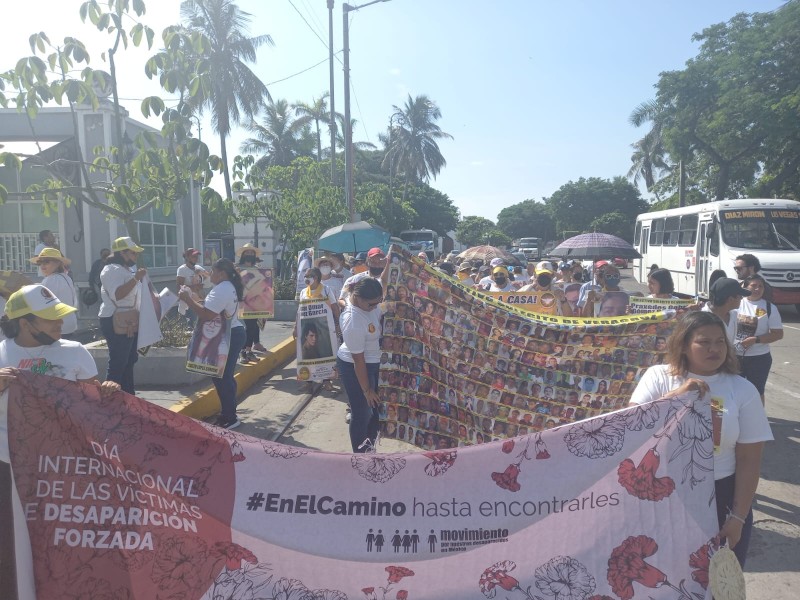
(206, 402)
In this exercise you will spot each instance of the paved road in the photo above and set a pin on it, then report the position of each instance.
(773, 570)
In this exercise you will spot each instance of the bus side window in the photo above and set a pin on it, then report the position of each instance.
(657, 232)
(688, 232)
(637, 234)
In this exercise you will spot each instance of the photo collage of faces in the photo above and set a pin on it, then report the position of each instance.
(456, 370)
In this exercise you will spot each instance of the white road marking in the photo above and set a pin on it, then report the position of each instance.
(783, 390)
(790, 327)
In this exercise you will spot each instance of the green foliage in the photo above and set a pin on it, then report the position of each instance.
(614, 223)
(479, 231)
(575, 205)
(120, 183)
(527, 219)
(732, 115)
(284, 289)
(434, 209)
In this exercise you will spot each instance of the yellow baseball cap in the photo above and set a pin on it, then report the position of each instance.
(36, 300)
(125, 243)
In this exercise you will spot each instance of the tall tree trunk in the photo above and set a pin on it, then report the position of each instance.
(224, 152)
(723, 181)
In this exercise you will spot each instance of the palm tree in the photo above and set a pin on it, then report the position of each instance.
(235, 91)
(279, 139)
(317, 112)
(411, 145)
(649, 156)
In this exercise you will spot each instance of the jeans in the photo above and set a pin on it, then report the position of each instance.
(251, 328)
(723, 489)
(364, 419)
(226, 385)
(122, 355)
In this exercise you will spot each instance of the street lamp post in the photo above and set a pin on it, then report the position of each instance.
(331, 92)
(348, 129)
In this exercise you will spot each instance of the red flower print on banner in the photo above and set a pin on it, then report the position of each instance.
(441, 462)
(397, 573)
(641, 481)
(234, 554)
(402, 595)
(369, 593)
(700, 561)
(627, 565)
(497, 576)
(508, 478)
(541, 448)
(508, 446)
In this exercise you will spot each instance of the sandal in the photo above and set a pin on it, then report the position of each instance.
(259, 348)
(327, 385)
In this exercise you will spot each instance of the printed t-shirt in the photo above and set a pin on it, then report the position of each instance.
(743, 418)
(750, 320)
(111, 277)
(63, 289)
(222, 297)
(64, 359)
(361, 330)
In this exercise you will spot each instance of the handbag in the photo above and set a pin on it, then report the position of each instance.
(126, 322)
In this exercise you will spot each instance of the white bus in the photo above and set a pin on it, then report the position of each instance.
(426, 240)
(695, 240)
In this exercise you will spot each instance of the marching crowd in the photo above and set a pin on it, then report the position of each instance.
(721, 350)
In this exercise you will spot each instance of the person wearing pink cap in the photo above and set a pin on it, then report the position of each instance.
(191, 275)
(376, 268)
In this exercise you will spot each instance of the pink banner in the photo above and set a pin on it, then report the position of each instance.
(124, 499)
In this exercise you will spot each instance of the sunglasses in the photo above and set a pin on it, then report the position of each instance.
(737, 269)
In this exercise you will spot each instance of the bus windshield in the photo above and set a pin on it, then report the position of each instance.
(761, 229)
(417, 236)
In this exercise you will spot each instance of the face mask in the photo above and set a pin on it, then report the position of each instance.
(500, 280)
(325, 270)
(375, 271)
(612, 280)
(544, 280)
(43, 338)
(250, 260)
(309, 281)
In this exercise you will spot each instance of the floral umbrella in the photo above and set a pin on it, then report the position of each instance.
(594, 246)
(486, 254)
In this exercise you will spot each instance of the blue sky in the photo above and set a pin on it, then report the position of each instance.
(535, 93)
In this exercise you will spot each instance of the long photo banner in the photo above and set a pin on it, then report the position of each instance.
(120, 498)
(460, 367)
(258, 301)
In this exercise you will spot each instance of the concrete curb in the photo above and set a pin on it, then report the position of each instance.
(206, 402)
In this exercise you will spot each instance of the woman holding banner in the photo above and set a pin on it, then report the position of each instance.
(701, 359)
(315, 290)
(358, 360)
(660, 284)
(222, 302)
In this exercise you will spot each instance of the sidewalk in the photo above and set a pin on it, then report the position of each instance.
(272, 335)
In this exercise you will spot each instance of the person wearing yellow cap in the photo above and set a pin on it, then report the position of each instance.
(32, 325)
(500, 280)
(543, 282)
(120, 291)
(52, 265)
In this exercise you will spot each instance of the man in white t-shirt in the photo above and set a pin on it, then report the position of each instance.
(191, 275)
(376, 268)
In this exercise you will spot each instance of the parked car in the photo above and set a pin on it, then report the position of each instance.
(621, 263)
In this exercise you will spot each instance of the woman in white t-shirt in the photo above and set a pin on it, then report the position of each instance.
(52, 264)
(120, 290)
(700, 358)
(358, 360)
(660, 284)
(223, 302)
(758, 324)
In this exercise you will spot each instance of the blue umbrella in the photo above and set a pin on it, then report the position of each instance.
(353, 238)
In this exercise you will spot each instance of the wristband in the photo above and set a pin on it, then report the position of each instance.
(733, 515)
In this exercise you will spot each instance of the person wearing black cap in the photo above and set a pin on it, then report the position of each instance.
(724, 296)
(448, 268)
